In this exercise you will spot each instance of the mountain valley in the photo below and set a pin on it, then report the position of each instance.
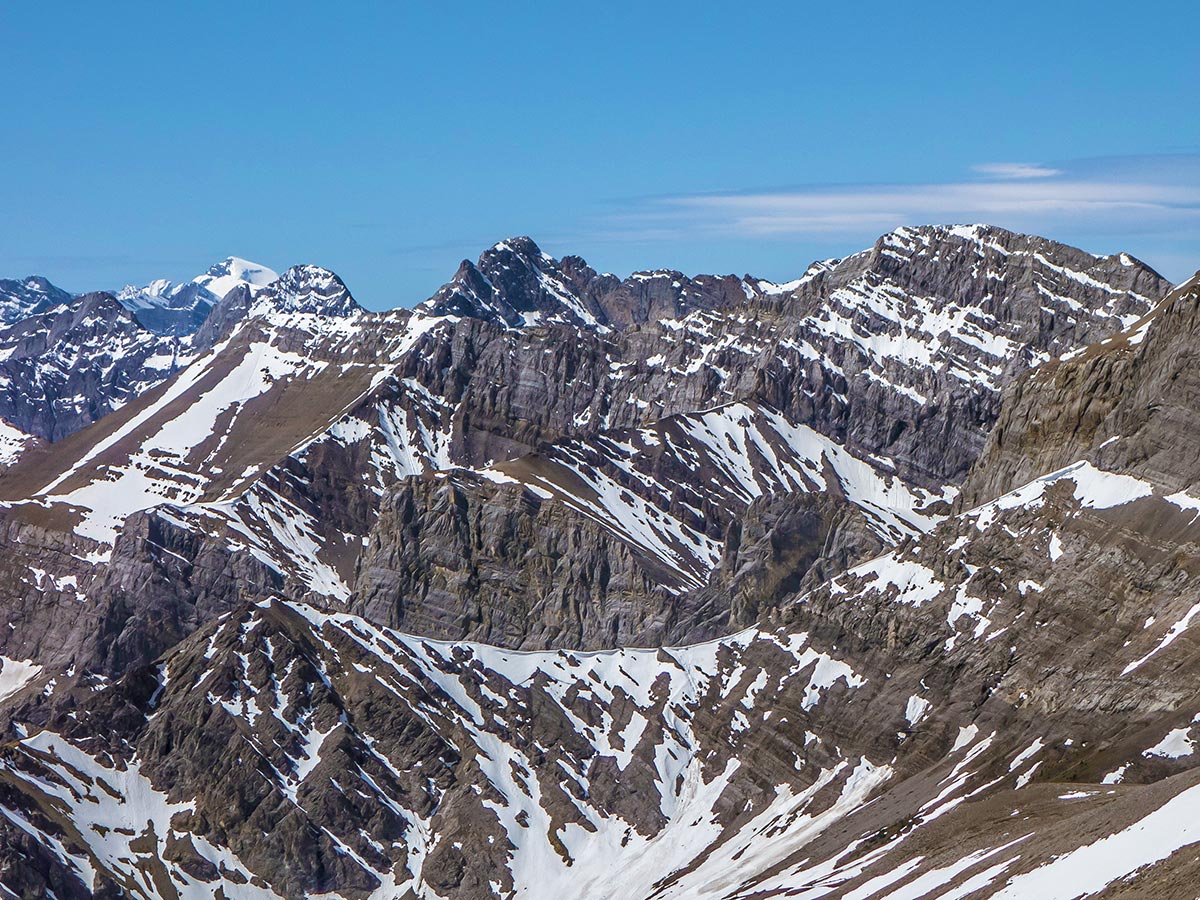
(877, 583)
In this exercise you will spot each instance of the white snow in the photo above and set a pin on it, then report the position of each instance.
(148, 478)
(1093, 489)
(214, 284)
(114, 808)
(752, 451)
(661, 685)
(1091, 868)
(1173, 632)
(916, 709)
(1175, 745)
(13, 442)
(15, 674)
(913, 582)
(1055, 547)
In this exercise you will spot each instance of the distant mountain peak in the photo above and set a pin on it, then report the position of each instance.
(169, 308)
(310, 290)
(224, 276)
(302, 290)
(155, 293)
(522, 245)
(20, 298)
(39, 283)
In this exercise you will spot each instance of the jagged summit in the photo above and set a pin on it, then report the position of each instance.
(308, 290)
(515, 284)
(303, 290)
(522, 246)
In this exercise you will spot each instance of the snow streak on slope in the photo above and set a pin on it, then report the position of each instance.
(883, 315)
(907, 575)
(643, 485)
(630, 716)
(644, 685)
(554, 768)
(967, 342)
(119, 821)
(172, 450)
(13, 442)
(639, 485)
(1093, 488)
(1094, 866)
(162, 470)
(266, 511)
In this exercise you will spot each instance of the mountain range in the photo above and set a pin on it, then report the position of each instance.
(876, 583)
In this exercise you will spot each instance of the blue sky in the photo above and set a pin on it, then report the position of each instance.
(389, 141)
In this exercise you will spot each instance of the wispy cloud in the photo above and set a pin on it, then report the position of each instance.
(1114, 197)
(1016, 170)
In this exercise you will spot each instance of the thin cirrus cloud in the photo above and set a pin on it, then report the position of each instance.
(1112, 197)
(1016, 170)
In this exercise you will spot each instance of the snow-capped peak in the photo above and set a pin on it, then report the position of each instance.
(165, 306)
(156, 293)
(309, 290)
(232, 271)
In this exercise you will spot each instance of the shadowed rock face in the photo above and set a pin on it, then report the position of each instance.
(516, 284)
(833, 588)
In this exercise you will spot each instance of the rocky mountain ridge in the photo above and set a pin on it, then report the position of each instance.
(67, 361)
(451, 394)
(872, 584)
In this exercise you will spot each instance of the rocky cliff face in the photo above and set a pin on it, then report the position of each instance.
(1124, 403)
(875, 583)
(928, 323)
